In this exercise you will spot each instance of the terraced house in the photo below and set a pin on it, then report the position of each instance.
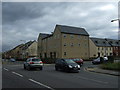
(104, 47)
(115, 46)
(29, 50)
(64, 42)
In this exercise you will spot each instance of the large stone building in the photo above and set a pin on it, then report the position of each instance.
(64, 42)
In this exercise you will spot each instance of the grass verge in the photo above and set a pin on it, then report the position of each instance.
(111, 66)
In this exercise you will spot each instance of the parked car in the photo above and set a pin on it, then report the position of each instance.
(66, 65)
(78, 61)
(99, 60)
(32, 63)
(12, 60)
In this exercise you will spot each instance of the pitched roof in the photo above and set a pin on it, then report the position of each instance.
(72, 30)
(18, 46)
(113, 42)
(100, 42)
(43, 35)
(26, 45)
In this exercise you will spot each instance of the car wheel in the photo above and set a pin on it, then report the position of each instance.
(41, 68)
(81, 64)
(24, 67)
(56, 68)
(28, 68)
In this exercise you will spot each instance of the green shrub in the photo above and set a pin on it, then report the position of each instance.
(111, 66)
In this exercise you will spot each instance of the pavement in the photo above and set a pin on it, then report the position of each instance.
(102, 71)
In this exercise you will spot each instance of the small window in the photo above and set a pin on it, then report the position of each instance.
(64, 53)
(98, 48)
(64, 35)
(65, 44)
(79, 44)
(96, 41)
(72, 44)
(71, 36)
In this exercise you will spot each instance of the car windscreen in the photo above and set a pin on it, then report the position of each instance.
(69, 61)
(36, 60)
(76, 59)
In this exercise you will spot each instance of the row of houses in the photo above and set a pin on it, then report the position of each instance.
(66, 42)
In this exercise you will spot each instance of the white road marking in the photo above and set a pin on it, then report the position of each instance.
(17, 74)
(6, 69)
(41, 84)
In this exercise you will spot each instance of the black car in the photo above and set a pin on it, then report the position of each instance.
(66, 65)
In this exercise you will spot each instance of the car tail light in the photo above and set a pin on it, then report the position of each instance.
(41, 62)
(31, 62)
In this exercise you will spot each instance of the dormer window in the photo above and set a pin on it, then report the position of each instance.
(104, 42)
(111, 42)
(116, 42)
(96, 41)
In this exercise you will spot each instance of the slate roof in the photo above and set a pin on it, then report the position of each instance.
(113, 42)
(100, 42)
(26, 45)
(72, 30)
(44, 35)
(18, 46)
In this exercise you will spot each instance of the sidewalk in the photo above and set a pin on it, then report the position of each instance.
(103, 71)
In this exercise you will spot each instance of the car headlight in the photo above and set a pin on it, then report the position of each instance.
(70, 66)
(78, 66)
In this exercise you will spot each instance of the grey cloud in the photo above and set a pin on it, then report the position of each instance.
(26, 20)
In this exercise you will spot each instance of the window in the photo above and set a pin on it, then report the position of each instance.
(71, 44)
(102, 48)
(98, 48)
(110, 48)
(65, 44)
(71, 36)
(96, 41)
(79, 44)
(64, 53)
(64, 35)
(78, 36)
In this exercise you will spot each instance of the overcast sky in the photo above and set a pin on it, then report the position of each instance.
(25, 20)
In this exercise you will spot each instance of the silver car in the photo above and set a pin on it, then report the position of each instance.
(33, 63)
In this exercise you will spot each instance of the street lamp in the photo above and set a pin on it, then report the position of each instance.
(118, 27)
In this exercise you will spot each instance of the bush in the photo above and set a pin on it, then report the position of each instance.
(111, 66)
(49, 60)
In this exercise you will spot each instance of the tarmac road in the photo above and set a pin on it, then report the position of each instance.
(14, 76)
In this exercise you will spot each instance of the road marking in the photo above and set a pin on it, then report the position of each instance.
(17, 74)
(6, 69)
(41, 84)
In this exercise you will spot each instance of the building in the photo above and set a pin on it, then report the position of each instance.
(40, 46)
(115, 45)
(64, 42)
(100, 47)
(29, 50)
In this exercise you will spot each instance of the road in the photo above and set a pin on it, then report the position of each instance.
(14, 76)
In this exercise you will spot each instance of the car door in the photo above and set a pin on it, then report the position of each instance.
(27, 62)
(63, 64)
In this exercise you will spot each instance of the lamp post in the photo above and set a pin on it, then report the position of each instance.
(118, 27)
